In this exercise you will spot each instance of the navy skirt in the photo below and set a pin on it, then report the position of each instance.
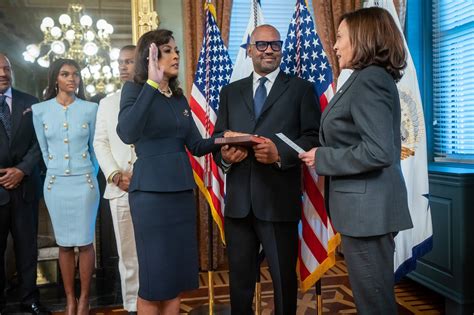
(165, 234)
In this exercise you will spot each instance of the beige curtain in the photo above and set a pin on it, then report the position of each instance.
(194, 18)
(328, 13)
(194, 15)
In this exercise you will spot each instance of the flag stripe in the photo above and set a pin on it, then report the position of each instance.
(218, 188)
(303, 271)
(315, 196)
(200, 114)
(313, 242)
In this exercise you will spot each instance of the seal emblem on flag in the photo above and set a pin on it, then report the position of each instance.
(411, 127)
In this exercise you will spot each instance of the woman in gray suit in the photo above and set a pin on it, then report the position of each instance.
(360, 155)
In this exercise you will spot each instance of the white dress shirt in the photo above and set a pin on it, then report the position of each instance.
(270, 80)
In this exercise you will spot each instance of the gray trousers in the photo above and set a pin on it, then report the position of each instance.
(370, 264)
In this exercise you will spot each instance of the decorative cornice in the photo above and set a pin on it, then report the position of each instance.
(144, 18)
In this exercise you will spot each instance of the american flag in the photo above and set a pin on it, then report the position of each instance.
(304, 57)
(213, 72)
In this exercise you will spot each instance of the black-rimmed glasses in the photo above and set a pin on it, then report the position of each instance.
(262, 45)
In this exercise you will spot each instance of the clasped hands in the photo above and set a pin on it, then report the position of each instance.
(122, 180)
(11, 177)
(266, 153)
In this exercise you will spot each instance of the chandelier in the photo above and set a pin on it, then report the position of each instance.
(76, 38)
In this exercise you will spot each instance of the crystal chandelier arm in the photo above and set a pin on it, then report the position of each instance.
(76, 37)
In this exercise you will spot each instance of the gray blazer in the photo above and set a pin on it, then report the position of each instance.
(360, 155)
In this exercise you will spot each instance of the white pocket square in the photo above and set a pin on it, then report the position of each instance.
(26, 111)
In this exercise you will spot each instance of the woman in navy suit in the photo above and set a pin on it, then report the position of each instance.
(156, 118)
(64, 125)
(360, 155)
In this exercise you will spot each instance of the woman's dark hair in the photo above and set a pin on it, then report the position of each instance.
(376, 40)
(52, 88)
(159, 37)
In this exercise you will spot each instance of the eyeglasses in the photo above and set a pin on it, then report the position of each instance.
(262, 45)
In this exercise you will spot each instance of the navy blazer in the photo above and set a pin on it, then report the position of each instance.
(22, 151)
(271, 192)
(161, 129)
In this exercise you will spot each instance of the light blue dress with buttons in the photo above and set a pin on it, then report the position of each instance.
(71, 193)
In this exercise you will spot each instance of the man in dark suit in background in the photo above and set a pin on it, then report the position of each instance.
(263, 197)
(19, 177)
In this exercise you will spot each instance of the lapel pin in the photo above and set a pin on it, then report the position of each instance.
(186, 113)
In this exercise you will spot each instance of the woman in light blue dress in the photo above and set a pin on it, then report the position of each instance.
(64, 125)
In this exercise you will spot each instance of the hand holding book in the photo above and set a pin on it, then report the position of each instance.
(233, 138)
(235, 144)
(232, 150)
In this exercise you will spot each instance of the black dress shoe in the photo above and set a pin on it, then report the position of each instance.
(132, 313)
(34, 308)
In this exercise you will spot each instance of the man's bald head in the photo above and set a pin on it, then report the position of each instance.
(265, 29)
(266, 56)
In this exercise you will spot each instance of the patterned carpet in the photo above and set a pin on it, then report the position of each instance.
(412, 298)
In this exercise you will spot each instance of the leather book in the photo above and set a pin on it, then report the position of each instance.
(246, 141)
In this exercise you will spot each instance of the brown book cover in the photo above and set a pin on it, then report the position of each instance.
(246, 141)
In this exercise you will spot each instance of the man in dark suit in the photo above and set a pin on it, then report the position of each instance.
(19, 177)
(263, 197)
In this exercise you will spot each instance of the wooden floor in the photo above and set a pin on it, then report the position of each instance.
(412, 298)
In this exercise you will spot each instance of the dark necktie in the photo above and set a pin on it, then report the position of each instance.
(260, 96)
(5, 116)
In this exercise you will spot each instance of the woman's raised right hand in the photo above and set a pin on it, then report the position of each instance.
(155, 72)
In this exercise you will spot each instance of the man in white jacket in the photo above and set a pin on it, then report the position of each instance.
(116, 161)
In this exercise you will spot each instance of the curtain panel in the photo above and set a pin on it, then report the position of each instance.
(194, 18)
(327, 15)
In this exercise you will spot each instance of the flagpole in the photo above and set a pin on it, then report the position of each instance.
(319, 298)
(210, 308)
(258, 297)
(255, 17)
(258, 290)
(210, 261)
(208, 184)
(258, 284)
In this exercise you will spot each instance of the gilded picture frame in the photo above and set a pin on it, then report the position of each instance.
(144, 18)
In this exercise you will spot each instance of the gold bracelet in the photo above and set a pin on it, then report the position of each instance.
(111, 176)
